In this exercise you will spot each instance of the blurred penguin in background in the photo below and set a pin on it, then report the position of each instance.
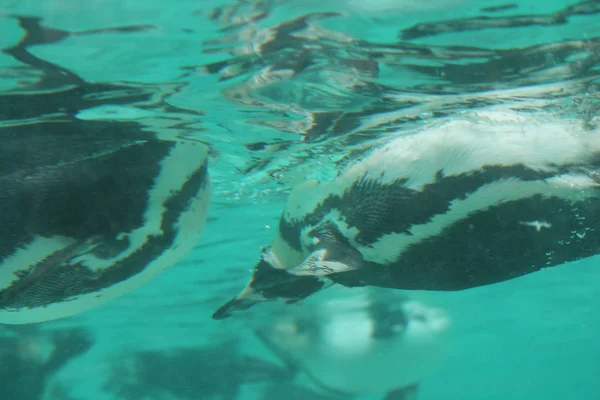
(287, 390)
(214, 372)
(30, 358)
(357, 342)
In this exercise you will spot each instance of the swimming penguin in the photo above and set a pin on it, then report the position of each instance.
(219, 371)
(30, 359)
(90, 211)
(470, 202)
(354, 343)
(92, 204)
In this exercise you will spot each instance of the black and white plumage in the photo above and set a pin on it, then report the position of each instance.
(90, 211)
(359, 342)
(467, 203)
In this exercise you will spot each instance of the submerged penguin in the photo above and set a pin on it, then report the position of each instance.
(31, 358)
(360, 343)
(90, 211)
(467, 203)
(219, 371)
(92, 204)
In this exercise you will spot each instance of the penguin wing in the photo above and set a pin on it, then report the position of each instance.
(317, 264)
(407, 393)
(332, 254)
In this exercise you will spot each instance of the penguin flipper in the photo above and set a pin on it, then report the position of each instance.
(318, 264)
(406, 393)
(332, 254)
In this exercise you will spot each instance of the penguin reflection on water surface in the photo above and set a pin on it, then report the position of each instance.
(359, 342)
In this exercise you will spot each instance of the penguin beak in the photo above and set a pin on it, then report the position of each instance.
(268, 284)
(235, 305)
(249, 296)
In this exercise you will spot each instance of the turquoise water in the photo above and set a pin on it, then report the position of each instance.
(278, 102)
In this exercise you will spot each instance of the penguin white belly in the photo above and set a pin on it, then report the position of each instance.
(352, 349)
